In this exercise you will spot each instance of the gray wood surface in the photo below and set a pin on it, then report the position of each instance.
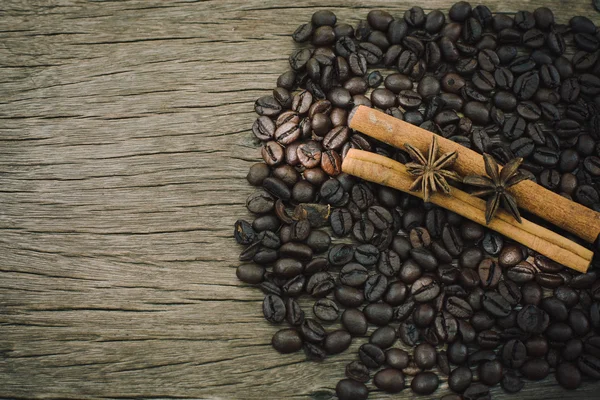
(124, 143)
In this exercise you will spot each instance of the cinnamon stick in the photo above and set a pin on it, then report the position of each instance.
(384, 171)
(550, 206)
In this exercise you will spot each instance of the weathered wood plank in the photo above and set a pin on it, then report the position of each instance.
(124, 142)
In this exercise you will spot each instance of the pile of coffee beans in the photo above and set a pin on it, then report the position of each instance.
(443, 299)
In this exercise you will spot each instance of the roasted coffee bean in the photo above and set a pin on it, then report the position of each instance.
(287, 341)
(510, 291)
(567, 295)
(492, 243)
(568, 376)
(526, 85)
(375, 287)
(349, 389)
(409, 99)
(318, 241)
(469, 278)
(294, 286)
(556, 309)
(274, 309)
(460, 379)
(294, 314)
(510, 255)
(337, 341)
(366, 254)
(287, 267)
(531, 293)
(309, 154)
(521, 273)
(423, 258)
(511, 382)
(445, 327)
(537, 346)
(589, 365)
(423, 315)
(355, 322)
(340, 254)
(458, 352)
(452, 240)
(532, 319)
(383, 337)
(408, 333)
(252, 274)
(370, 355)
(299, 251)
(357, 371)
(489, 273)
(425, 356)
(579, 322)
(312, 331)
(349, 296)
(470, 258)
(495, 304)
(389, 263)
(341, 222)
(514, 353)
(458, 307)
(326, 310)
(389, 380)
(424, 383)
(425, 289)
(490, 372)
(570, 90)
(353, 274)
(572, 350)
(535, 369)
(320, 284)
(549, 281)
(466, 330)
(482, 321)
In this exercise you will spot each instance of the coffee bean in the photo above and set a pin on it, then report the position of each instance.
(425, 289)
(371, 355)
(274, 309)
(353, 274)
(357, 371)
(389, 263)
(460, 379)
(532, 319)
(511, 382)
(535, 369)
(458, 307)
(337, 341)
(396, 358)
(424, 383)
(568, 376)
(348, 389)
(514, 353)
(425, 356)
(408, 333)
(490, 372)
(389, 380)
(579, 322)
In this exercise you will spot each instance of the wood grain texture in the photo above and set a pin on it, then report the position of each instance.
(124, 143)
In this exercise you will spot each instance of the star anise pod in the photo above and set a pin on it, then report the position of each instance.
(431, 172)
(497, 187)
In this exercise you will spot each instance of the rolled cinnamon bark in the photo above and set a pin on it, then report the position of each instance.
(384, 171)
(552, 207)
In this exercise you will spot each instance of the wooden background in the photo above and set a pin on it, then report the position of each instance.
(124, 143)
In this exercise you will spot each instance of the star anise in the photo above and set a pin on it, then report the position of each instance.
(431, 172)
(497, 187)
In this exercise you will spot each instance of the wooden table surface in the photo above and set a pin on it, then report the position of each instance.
(124, 144)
